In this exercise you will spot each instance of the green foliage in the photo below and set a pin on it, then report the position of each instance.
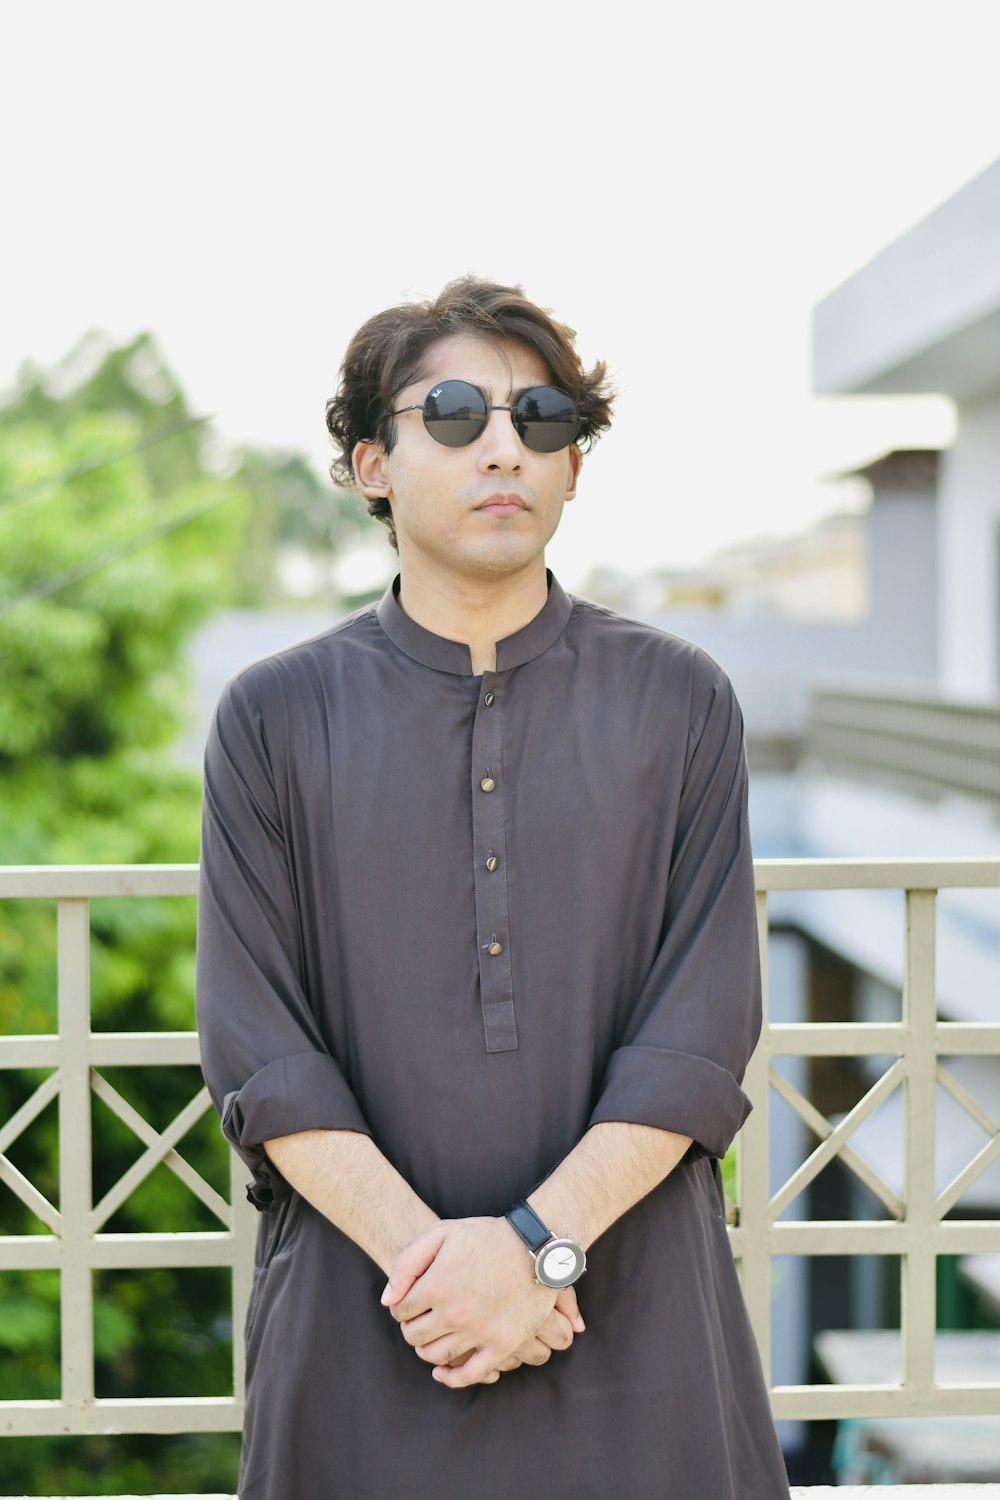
(131, 382)
(108, 1465)
(30, 1317)
(115, 543)
(291, 503)
(729, 1175)
(122, 528)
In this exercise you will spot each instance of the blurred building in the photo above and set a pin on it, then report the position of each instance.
(893, 730)
(852, 601)
(924, 316)
(866, 656)
(819, 574)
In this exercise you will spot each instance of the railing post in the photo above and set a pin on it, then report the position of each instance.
(244, 1229)
(918, 1299)
(753, 1174)
(76, 1279)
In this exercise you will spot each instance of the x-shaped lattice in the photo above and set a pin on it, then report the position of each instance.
(15, 1180)
(160, 1147)
(833, 1138)
(833, 1141)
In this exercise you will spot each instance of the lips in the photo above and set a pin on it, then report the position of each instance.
(503, 505)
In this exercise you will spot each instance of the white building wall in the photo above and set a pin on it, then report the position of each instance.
(924, 313)
(902, 622)
(968, 531)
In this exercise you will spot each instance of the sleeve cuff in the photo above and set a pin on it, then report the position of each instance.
(676, 1091)
(304, 1092)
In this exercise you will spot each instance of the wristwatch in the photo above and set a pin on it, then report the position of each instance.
(558, 1262)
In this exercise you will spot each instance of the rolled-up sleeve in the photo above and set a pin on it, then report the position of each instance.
(698, 1016)
(263, 1055)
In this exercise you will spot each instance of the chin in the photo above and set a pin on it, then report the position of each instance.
(507, 559)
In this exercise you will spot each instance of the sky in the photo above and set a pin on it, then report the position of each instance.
(681, 183)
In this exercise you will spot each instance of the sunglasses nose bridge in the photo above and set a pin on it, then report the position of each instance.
(499, 441)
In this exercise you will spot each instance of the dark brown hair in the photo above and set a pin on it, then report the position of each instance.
(387, 352)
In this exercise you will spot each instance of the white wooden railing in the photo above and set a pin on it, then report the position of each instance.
(76, 1243)
(917, 1231)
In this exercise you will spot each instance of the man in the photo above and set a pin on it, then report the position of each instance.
(478, 979)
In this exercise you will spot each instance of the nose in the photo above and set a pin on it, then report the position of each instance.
(499, 445)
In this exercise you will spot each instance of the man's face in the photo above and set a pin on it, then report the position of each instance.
(441, 497)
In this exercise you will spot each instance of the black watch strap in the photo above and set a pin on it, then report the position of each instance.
(526, 1223)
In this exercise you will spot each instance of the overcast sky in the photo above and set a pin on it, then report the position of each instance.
(681, 183)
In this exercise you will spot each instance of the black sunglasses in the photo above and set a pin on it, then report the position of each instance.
(455, 414)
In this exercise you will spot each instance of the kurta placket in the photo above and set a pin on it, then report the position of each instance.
(489, 830)
(490, 771)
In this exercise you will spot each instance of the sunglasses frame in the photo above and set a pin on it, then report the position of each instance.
(489, 406)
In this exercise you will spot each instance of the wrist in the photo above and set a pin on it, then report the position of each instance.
(565, 1220)
(558, 1260)
(399, 1236)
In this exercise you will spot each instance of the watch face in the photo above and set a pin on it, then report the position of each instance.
(560, 1263)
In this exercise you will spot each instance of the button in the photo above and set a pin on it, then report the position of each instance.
(491, 861)
(494, 948)
(488, 700)
(487, 784)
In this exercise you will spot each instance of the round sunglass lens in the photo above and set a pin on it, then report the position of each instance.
(546, 418)
(454, 413)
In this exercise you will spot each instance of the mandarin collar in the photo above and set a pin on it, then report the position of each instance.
(454, 656)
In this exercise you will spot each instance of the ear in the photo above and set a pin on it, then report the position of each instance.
(372, 480)
(575, 458)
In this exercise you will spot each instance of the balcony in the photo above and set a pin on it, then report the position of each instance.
(923, 744)
(920, 1225)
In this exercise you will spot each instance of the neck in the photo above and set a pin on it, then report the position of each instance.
(479, 612)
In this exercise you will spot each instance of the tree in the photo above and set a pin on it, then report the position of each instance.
(175, 448)
(123, 526)
(116, 541)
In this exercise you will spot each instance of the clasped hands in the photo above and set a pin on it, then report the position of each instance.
(465, 1295)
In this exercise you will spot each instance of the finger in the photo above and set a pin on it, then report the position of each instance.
(510, 1363)
(445, 1351)
(394, 1291)
(413, 1303)
(556, 1332)
(411, 1263)
(423, 1330)
(470, 1373)
(461, 1379)
(494, 1375)
(567, 1304)
(534, 1352)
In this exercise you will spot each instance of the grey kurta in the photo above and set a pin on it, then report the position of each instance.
(345, 981)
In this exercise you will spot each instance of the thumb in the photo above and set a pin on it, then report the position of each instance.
(412, 1263)
(566, 1303)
